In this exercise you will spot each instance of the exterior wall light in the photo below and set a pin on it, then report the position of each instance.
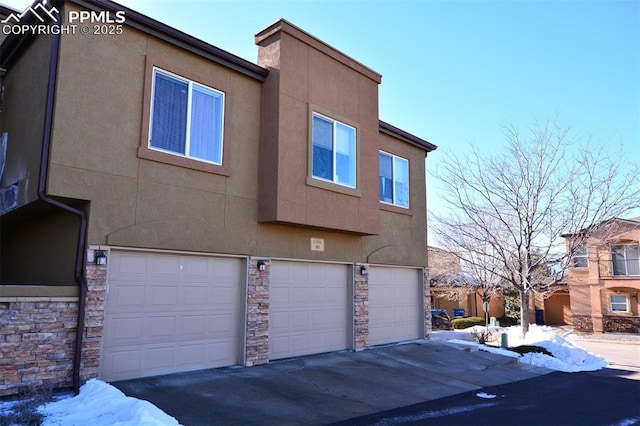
(363, 270)
(262, 266)
(100, 257)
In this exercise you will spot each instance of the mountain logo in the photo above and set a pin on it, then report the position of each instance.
(40, 11)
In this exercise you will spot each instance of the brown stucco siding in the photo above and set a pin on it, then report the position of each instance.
(22, 117)
(137, 202)
(309, 76)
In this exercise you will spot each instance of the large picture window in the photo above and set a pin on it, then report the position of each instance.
(334, 151)
(186, 118)
(394, 179)
(625, 259)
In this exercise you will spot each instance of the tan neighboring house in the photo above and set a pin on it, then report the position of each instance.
(168, 206)
(449, 292)
(604, 279)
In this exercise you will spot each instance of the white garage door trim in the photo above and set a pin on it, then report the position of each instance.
(396, 304)
(168, 312)
(309, 308)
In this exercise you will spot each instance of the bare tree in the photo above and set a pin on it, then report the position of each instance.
(510, 209)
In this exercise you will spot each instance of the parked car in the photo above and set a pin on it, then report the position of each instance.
(440, 320)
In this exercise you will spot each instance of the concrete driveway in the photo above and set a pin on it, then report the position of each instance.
(326, 388)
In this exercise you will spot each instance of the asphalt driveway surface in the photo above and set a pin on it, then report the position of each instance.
(603, 397)
(327, 388)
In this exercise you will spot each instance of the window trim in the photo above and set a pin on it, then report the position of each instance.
(319, 182)
(626, 303)
(167, 157)
(393, 179)
(187, 143)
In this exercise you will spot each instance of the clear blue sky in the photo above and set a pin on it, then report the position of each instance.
(455, 72)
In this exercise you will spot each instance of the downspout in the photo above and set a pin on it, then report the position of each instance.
(79, 274)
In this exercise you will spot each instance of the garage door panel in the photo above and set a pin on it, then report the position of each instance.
(222, 295)
(159, 359)
(123, 298)
(193, 325)
(164, 267)
(171, 316)
(125, 362)
(298, 295)
(129, 266)
(394, 305)
(161, 327)
(222, 325)
(164, 296)
(196, 296)
(191, 355)
(195, 268)
(308, 308)
(125, 329)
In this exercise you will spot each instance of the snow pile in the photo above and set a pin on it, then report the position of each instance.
(101, 404)
(566, 356)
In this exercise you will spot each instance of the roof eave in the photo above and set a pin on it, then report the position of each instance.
(407, 137)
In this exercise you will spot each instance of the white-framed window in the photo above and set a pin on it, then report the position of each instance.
(580, 258)
(619, 303)
(334, 151)
(394, 179)
(187, 118)
(625, 259)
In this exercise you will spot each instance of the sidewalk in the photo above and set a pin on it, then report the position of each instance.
(567, 331)
(327, 388)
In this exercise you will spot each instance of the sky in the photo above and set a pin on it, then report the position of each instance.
(456, 72)
(101, 403)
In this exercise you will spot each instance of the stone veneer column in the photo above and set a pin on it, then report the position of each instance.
(257, 337)
(427, 303)
(360, 308)
(94, 314)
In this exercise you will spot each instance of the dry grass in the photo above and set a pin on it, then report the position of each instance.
(25, 410)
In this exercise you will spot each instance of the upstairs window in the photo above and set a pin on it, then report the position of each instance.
(186, 118)
(580, 259)
(618, 303)
(625, 259)
(334, 151)
(394, 179)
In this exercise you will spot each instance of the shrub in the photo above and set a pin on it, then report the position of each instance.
(461, 323)
(508, 321)
(524, 349)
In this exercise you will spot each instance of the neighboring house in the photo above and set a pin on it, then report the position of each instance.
(454, 292)
(552, 307)
(604, 279)
(189, 209)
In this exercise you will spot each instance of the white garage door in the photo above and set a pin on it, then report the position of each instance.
(308, 308)
(395, 305)
(167, 313)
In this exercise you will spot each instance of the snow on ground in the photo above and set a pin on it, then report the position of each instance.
(101, 404)
(566, 357)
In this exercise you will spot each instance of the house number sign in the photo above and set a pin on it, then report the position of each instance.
(317, 244)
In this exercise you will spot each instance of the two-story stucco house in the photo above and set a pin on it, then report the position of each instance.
(169, 206)
(604, 279)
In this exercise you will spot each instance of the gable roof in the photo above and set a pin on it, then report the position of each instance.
(633, 222)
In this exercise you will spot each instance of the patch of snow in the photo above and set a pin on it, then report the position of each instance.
(566, 357)
(101, 404)
(485, 395)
